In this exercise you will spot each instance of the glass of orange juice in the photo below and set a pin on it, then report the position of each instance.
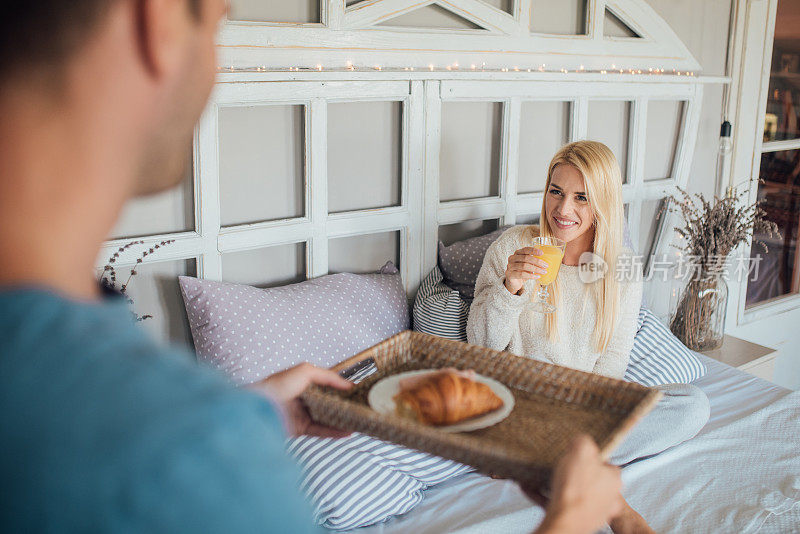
(552, 252)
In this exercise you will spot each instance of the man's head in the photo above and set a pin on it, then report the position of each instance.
(163, 54)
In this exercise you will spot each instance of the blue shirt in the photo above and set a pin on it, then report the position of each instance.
(103, 430)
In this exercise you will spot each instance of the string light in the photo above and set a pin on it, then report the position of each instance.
(472, 67)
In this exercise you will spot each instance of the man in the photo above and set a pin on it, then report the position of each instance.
(101, 429)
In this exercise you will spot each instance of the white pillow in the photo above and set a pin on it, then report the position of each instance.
(360, 480)
(658, 357)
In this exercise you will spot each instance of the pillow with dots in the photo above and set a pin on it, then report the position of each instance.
(461, 262)
(250, 333)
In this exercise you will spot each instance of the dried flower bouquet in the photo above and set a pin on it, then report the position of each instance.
(711, 231)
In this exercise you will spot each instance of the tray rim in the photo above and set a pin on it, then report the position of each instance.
(607, 446)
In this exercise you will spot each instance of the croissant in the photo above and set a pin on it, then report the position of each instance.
(445, 398)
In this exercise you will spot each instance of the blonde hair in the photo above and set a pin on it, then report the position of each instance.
(603, 180)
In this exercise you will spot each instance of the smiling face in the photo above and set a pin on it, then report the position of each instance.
(567, 205)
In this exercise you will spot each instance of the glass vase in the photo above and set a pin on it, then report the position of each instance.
(698, 318)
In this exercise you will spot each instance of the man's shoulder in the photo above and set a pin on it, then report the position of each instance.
(85, 349)
(88, 401)
(98, 366)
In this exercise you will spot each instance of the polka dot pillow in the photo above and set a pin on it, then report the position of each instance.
(461, 262)
(250, 333)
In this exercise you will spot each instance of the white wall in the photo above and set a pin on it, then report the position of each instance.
(702, 25)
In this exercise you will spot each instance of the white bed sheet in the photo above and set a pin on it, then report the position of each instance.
(473, 503)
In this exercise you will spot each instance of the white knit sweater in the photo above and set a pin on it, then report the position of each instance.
(502, 321)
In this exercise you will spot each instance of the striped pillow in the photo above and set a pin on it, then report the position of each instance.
(439, 310)
(359, 480)
(658, 357)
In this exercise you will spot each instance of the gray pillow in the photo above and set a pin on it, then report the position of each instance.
(461, 262)
(250, 333)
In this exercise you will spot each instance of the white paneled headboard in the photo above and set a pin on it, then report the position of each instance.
(283, 180)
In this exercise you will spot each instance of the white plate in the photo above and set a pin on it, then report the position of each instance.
(381, 400)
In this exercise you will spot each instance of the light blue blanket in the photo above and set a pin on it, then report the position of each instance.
(732, 478)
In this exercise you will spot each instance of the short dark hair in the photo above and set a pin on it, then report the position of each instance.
(45, 33)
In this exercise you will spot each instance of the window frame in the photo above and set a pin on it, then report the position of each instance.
(754, 34)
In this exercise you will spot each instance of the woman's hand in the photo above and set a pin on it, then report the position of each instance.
(286, 387)
(524, 265)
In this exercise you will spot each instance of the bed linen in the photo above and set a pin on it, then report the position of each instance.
(749, 449)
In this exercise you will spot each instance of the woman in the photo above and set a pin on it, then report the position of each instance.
(595, 321)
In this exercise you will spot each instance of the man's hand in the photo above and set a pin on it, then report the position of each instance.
(586, 493)
(285, 389)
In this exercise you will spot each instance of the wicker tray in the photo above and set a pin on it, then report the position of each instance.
(553, 405)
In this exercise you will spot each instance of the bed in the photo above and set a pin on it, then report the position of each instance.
(740, 474)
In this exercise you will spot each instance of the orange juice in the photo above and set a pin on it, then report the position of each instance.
(553, 256)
